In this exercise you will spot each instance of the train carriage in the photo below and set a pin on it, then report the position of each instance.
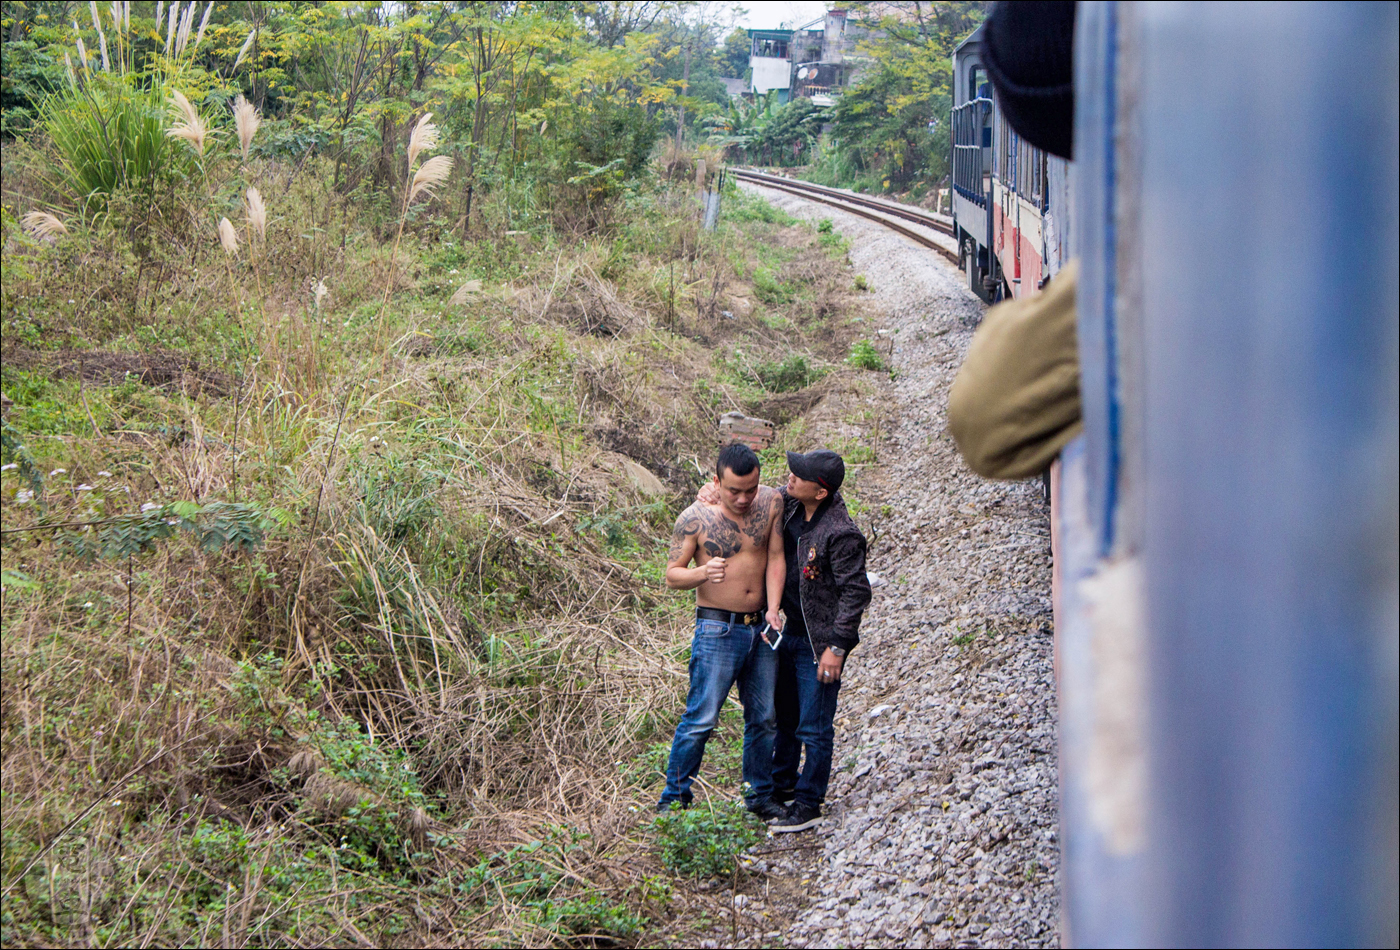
(1010, 198)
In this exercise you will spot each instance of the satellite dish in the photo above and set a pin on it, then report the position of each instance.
(802, 73)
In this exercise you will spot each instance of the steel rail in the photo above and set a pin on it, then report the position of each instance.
(918, 216)
(877, 211)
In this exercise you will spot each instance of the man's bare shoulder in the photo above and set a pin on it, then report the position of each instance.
(694, 518)
(769, 501)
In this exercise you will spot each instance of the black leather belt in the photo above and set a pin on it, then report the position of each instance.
(728, 616)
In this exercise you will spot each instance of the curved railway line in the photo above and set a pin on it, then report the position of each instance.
(886, 213)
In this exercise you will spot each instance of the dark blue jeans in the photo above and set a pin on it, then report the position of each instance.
(806, 713)
(720, 655)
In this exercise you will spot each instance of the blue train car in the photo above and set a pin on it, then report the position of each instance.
(1225, 530)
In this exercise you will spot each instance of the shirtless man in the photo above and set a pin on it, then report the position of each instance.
(737, 547)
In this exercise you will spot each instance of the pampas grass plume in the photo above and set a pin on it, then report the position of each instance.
(465, 292)
(193, 129)
(204, 21)
(170, 30)
(433, 173)
(182, 33)
(227, 236)
(425, 136)
(43, 225)
(246, 120)
(257, 212)
(243, 51)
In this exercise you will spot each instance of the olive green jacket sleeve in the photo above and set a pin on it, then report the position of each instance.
(1015, 401)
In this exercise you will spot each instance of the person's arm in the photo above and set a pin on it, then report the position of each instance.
(848, 573)
(776, 575)
(679, 574)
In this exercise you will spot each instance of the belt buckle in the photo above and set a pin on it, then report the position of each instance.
(750, 620)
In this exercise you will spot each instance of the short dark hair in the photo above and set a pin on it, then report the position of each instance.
(738, 458)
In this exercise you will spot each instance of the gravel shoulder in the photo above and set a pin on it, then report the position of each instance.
(941, 827)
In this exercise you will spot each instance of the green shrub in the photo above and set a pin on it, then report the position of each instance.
(865, 356)
(830, 239)
(861, 283)
(788, 375)
(770, 288)
(536, 878)
(704, 842)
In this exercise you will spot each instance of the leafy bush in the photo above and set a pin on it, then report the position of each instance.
(794, 372)
(704, 842)
(215, 526)
(770, 288)
(535, 878)
(865, 356)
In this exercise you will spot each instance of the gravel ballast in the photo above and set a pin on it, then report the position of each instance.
(941, 817)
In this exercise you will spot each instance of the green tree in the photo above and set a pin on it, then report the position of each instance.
(732, 59)
(891, 127)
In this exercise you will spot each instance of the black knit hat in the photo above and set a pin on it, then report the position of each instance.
(822, 466)
(1029, 54)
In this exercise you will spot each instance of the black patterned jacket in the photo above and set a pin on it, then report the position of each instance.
(833, 587)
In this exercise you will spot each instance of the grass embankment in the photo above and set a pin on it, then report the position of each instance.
(332, 574)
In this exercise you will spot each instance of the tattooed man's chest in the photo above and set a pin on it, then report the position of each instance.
(724, 537)
(718, 535)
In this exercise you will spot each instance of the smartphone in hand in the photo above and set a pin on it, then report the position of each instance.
(770, 636)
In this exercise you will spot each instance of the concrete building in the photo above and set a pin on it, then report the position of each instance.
(813, 61)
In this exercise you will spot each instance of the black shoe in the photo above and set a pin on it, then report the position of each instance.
(767, 809)
(785, 797)
(799, 818)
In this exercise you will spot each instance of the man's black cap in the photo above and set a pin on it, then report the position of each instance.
(822, 466)
(1029, 54)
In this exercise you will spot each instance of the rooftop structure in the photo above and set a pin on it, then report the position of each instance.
(808, 62)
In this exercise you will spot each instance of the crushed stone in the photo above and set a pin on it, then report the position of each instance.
(941, 826)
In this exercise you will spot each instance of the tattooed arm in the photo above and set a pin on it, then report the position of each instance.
(684, 548)
(776, 575)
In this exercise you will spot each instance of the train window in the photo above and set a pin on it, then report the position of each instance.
(1003, 150)
(975, 78)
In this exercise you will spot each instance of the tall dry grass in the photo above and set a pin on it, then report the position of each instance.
(425, 711)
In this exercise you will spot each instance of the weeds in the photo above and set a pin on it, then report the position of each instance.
(704, 841)
(863, 355)
(409, 657)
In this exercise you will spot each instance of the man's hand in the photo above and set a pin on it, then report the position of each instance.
(829, 668)
(714, 570)
(775, 619)
(708, 494)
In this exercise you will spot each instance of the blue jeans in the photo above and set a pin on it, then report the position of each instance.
(720, 655)
(806, 713)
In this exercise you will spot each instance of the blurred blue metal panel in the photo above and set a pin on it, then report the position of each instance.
(1095, 231)
(1101, 884)
(1270, 412)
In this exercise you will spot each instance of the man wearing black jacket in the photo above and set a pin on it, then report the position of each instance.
(825, 593)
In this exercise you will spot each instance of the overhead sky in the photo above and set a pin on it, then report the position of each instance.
(787, 14)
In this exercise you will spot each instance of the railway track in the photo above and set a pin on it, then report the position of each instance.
(893, 216)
